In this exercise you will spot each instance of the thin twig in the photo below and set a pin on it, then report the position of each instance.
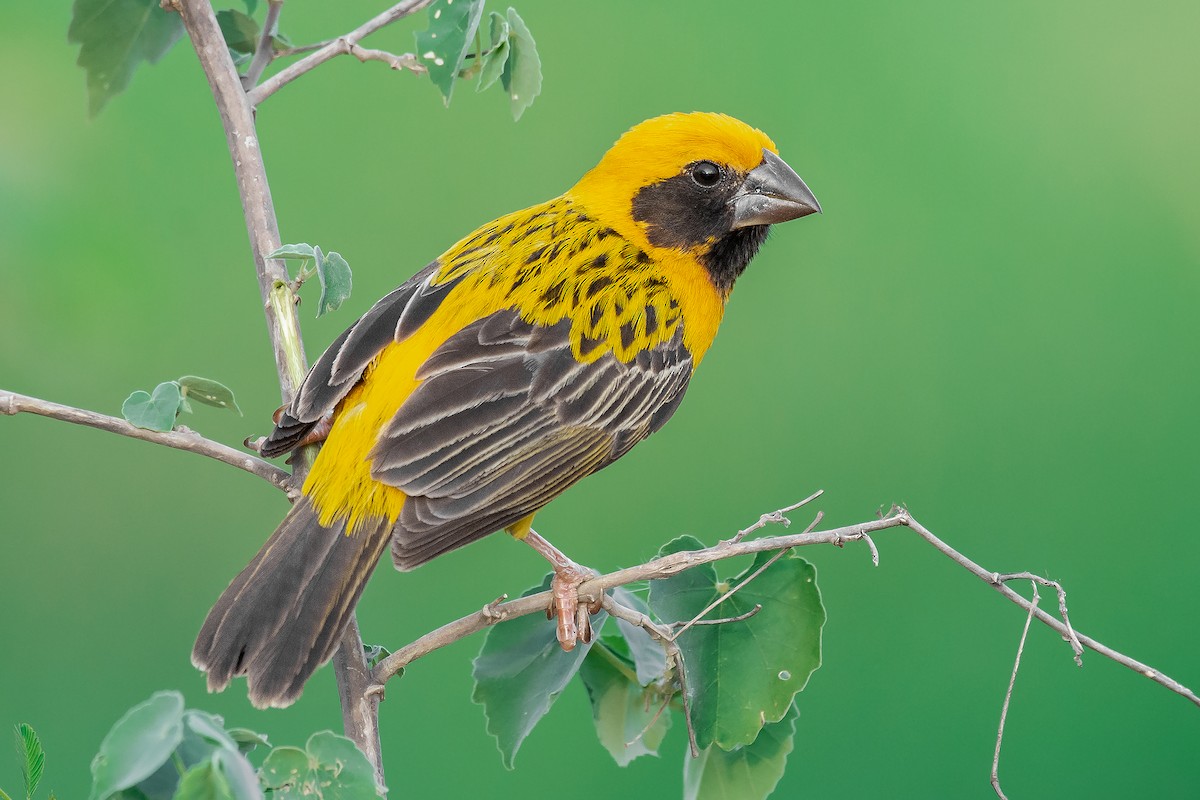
(181, 439)
(678, 562)
(338, 47)
(1062, 604)
(1008, 695)
(775, 517)
(662, 635)
(1041, 616)
(722, 621)
(407, 61)
(264, 53)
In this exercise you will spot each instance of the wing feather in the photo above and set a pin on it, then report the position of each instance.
(505, 419)
(394, 318)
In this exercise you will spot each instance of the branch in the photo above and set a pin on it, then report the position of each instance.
(265, 52)
(237, 118)
(675, 563)
(343, 45)
(279, 301)
(181, 438)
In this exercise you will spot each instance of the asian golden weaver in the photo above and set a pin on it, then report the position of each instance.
(537, 350)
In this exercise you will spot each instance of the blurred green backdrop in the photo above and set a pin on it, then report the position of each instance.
(995, 321)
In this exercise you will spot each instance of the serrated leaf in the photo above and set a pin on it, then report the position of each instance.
(205, 781)
(497, 56)
(519, 673)
(522, 74)
(209, 392)
(294, 251)
(336, 282)
(647, 655)
(138, 744)
(630, 720)
(443, 47)
(742, 674)
(247, 739)
(31, 755)
(114, 38)
(331, 767)
(154, 412)
(240, 31)
(747, 773)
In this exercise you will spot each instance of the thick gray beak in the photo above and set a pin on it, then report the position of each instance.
(771, 193)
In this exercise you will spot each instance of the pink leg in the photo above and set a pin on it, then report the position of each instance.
(574, 620)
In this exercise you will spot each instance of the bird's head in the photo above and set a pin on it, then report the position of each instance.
(706, 184)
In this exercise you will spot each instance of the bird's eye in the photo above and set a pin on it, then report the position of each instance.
(706, 174)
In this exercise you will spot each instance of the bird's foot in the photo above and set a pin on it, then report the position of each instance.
(574, 618)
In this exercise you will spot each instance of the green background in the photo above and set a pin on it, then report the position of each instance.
(994, 321)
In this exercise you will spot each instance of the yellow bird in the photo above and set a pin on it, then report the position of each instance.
(537, 350)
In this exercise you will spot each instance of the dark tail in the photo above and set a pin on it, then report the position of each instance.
(282, 616)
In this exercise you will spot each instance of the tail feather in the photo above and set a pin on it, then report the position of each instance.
(282, 616)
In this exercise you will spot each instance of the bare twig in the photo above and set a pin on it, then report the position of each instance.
(774, 558)
(1046, 619)
(408, 61)
(662, 635)
(180, 439)
(722, 621)
(678, 562)
(775, 517)
(1008, 695)
(1062, 604)
(264, 53)
(338, 47)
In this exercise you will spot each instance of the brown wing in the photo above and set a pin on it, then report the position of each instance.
(505, 419)
(394, 318)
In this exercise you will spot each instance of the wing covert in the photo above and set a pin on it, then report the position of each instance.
(505, 419)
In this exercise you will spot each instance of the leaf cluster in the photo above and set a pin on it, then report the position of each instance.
(157, 410)
(115, 37)
(742, 674)
(160, 750)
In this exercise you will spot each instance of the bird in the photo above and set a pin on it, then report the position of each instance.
(537, 350)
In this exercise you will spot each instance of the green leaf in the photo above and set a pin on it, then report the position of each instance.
(522, 74)
(114, 37)
(647, 655)
(341, 766)
(294, 251)
(742, 674)
(205, 781)
(284, 772)
(31, 755)
(208, 392)
(240, 773)
(497, 55)
(519, 672)
(336, 283)
(630, 721)
(154, 412)
(239, 30)
(251, 6)
(747, 773)
(138, 744)
(247, 739)
(330, 767)
(443, 47)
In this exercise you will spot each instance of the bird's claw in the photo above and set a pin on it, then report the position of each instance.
(574, 618)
